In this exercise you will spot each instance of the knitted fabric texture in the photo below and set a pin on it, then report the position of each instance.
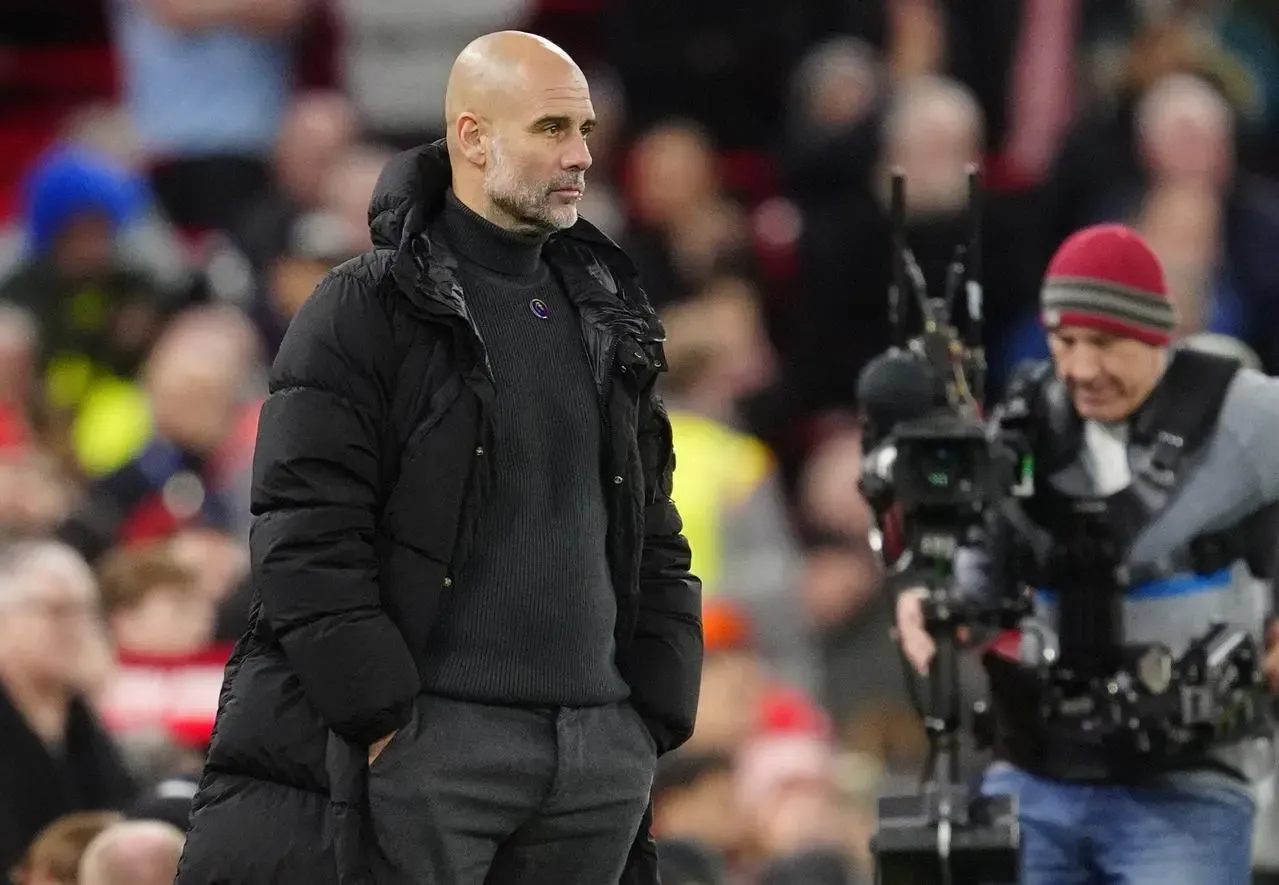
(1108, 278)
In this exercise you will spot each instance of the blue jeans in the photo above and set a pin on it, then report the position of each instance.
(1190, 829)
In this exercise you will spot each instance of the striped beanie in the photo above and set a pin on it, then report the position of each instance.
(1107, 277)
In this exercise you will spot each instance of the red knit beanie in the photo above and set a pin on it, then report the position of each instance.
(1108, 278)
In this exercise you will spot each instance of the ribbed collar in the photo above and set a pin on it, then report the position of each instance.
(481, 242)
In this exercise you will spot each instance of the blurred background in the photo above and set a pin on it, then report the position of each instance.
(176, 176)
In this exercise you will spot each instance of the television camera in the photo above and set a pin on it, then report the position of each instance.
(936, 477)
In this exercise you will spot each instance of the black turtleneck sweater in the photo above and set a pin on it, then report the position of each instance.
(531, 614)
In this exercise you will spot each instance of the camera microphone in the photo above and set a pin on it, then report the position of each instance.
(895, 386)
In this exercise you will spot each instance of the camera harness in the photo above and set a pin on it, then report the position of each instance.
(1175, 422)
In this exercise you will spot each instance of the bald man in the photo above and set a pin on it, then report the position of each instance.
(475, 628)
(143, 852)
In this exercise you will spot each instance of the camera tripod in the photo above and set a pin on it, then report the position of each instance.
(945, 835)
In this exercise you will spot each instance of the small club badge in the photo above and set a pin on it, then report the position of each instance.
(539, 308)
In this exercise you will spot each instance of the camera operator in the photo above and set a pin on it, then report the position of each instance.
(1155, 479)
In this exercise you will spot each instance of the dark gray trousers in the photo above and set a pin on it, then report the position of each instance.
(470, 794)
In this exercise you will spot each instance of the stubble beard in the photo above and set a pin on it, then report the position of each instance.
(528, 207)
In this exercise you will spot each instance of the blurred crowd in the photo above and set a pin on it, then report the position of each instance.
(176, 176)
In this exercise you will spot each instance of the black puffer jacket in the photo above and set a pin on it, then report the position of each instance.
(369, 471)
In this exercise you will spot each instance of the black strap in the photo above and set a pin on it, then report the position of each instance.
(1180, 417)
(1181, 414)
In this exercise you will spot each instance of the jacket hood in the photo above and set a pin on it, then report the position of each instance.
(407, 179)
(415, 182)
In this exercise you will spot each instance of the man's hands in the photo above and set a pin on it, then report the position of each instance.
(916, 644)
(376, 748)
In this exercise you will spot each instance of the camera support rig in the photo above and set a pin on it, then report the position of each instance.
(1160, 705)
(945, 834)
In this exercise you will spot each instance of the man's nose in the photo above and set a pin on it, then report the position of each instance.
(578, 155)
(1083, 366)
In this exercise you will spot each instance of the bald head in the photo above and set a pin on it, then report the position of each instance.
(133, 853)
(491, 71)
(518, 112)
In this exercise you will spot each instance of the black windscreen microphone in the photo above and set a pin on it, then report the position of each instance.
(895, 386)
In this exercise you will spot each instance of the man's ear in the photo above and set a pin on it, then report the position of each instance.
(472, 138)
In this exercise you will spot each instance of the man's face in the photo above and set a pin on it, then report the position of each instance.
(194, 397)
(1108, 375)
(85, 247)
(46, 625)
(167, 621)
(1190, 145)
(672, 174)
(34, 499)
(536, 173)
(217, 559)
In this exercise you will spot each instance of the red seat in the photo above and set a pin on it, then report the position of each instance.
(22, 138)
(45, 84)
(72, 73)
